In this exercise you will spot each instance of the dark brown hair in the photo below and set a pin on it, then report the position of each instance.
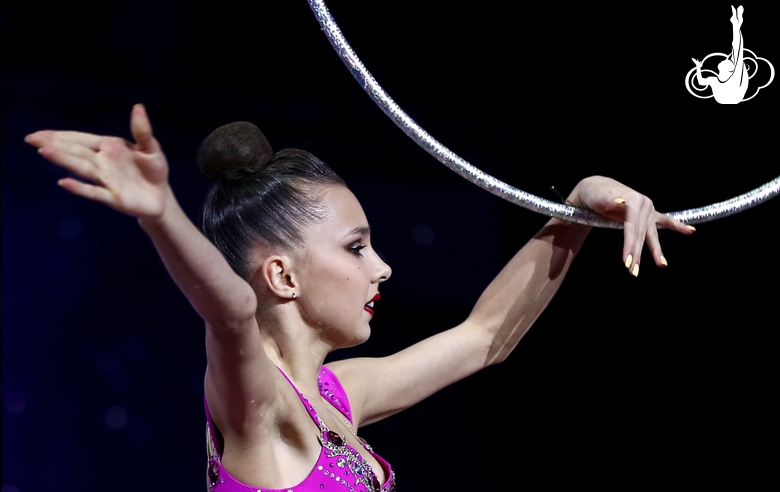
(258, 195)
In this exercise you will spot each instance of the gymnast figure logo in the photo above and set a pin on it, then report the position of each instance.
(730, 85)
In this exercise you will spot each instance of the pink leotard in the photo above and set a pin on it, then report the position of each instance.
(339, 468)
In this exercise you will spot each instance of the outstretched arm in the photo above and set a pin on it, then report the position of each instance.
(507, 308)
(132, 178)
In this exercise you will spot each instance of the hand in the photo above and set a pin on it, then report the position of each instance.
(130, 178)
(616, 201)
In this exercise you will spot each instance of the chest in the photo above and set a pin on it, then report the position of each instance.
(340, 440)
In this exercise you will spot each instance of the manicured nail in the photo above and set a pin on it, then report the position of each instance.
(663, 261)
(629, 259)
(691, 227)
(635, 271)
(618, 201)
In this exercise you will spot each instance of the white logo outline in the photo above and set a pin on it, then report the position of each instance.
(731, 90)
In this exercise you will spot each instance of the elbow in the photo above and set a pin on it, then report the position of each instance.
(247, 308)
(244, 312)
(495, 355)
(234, 320)
(489, 346)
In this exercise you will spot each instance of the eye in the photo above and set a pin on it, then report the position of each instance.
(356, 249)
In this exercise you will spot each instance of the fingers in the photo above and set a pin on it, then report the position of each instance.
(640, 227)
(44, 137)
(635, 211)
(72, 157)
(654, 245)
(141, 128)
(634, 230)
(92, 192)
(674, 225)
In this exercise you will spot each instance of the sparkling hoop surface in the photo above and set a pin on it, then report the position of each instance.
(494, 185)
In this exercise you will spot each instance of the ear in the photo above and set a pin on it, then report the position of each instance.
(277, 274)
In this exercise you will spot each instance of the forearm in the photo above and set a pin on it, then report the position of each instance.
(699, 78)
(222, 298)
(525, 286)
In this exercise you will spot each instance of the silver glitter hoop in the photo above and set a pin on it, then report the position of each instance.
(494, 185)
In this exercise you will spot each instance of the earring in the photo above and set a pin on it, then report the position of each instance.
(293, 295)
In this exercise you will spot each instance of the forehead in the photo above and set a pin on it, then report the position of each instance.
(343, 211)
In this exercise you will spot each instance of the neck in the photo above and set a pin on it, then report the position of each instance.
(297, 350)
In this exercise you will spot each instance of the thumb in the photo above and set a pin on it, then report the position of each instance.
(141, 128)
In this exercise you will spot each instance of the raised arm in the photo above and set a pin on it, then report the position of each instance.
(507, 308)
(132, 178)
(702, 81)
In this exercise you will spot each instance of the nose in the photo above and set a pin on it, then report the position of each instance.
(383, 270)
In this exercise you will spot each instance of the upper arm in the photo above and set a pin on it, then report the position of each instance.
(241, 382)
(380, 387)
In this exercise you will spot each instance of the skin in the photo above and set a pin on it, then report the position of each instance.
(254, 327)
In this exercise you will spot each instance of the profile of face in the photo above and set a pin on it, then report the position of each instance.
(725, 69)
(338, 271)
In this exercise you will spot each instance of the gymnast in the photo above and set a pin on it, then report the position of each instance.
(282, 271)
(731, 84)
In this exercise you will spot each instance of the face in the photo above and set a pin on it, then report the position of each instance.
(338, 272)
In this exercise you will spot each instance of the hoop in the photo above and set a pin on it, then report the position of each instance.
(494, 185)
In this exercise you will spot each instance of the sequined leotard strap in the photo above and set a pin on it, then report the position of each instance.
(340, 467)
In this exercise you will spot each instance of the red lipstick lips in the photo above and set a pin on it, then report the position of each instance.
(370, 304)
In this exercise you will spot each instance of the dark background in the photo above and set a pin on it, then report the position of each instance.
(623, 382)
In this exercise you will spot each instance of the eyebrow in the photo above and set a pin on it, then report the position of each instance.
(359, 231)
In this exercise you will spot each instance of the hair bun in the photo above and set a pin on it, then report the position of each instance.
(234, 150)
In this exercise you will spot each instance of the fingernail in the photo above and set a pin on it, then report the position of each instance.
(618, 201)
(663, 261)
(691, 227)
(629, 259)
(635, 271)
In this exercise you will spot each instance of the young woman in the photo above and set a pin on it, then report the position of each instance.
(283, 273)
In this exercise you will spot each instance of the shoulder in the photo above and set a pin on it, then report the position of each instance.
(332, 390)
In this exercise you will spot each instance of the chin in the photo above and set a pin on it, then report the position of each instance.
(358, 338)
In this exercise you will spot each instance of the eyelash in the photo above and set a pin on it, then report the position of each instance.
(356, 249)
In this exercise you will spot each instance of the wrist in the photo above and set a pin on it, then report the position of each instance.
(575, 198)
(168, 209)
